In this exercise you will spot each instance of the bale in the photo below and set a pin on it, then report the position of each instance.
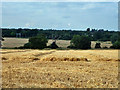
(64, 59)
(36, 59)
(3, 58)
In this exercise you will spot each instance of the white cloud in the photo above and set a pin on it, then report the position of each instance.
(69, 24)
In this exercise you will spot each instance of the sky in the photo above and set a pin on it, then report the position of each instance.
(60, 15)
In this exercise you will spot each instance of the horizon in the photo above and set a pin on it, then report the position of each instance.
(61, 29)
(60, 15)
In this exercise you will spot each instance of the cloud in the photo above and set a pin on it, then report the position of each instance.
(60, 0)
(69, 24)
(60, 15)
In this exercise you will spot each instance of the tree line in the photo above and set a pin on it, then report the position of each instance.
(94, 34)
(38, 38)
(77, 42)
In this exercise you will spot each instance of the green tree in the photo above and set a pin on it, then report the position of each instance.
(116, 45)
(81, 42)
(97, 35)
(37, 42)
(13, 34)
(114, 38)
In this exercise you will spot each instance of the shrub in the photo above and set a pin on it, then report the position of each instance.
(53, 45)
(112, 47)
(97, 45)
(21, 47)
(105, 47)
(27, 45)
(71, 46)
(80, 42)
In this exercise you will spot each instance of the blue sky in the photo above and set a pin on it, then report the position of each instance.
(60, 15)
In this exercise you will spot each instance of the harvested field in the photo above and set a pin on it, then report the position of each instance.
(59, 68)
(13, 42)
(17, 42)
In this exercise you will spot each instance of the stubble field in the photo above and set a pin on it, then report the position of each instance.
(17, 42)
(59, 68)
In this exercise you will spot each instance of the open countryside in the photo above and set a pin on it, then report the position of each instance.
(17, 42)
(28, 68)
(60, 45)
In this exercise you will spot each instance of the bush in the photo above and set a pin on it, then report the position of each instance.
(62, 48)
(80, 42)
(53, 45)
(97, 45)
(37, 42)
(27, 45)
(71, 46)
(111, 47)
(105, 47)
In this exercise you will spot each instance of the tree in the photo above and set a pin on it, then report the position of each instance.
(81, 42)
(88, 29)
(114, 38)
(116, 45)
(0, 44)
(37, 42)
(13, 34)
(97, 45)
(97, 35)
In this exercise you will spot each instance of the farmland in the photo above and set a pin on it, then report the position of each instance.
(59, 44)
(33, 68)
(59, 68)
(17, 42)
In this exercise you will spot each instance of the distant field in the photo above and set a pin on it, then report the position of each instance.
(17, 42)
(13, 42)
(59, 68)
